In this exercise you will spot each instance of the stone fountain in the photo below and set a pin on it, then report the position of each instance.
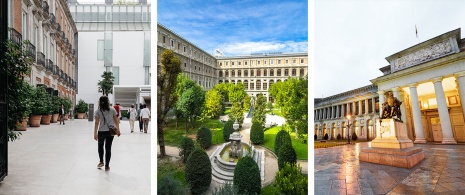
(225, 157)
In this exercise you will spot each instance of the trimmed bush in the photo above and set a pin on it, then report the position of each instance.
(290, 180)
(339, 137)
(167, 185)
(204, 137)
(187, 145)
(326, 136)
(286, 154)
(257, 136)
(354, 136)
(226, 189)
(82, 106)
(247, 176)
(315, 137)
(228, 129)
(281, 138)
(198, 171)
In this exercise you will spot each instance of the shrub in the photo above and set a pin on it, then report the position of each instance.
(82, 106)
(281, 138)
(226, 189)
(326, 136)
(354, 136)
(247, 176)
(41, 102)
(228, 129)
(290, 180)
(257, 135)
(204, 137)
(315, 137)
(339, 137)
(198, 171)
(286, 154)
(187, 145)
(167, 185)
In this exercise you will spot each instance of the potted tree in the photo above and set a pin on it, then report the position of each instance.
(81, 109)
(67, 105)
(40, 107)
(56, 105)
(22, 102)
(47, 116)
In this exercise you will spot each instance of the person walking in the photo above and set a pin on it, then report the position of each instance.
(132, 117)
(61, 113)
(139, 118)
(117, 108)
(104, 117)
(145, 116)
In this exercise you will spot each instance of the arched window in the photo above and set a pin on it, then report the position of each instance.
(258, 72)
(265, 86)
(246, 73)
(258, 84)
(294, 72)
(233, 73)
(226, 81)
(239, 73)
(233, 81)
(246, 84)
(301, 72)
(252, 86)
(221, 73)
(271, 72)
(226, 73)
(264, 72)
(286, 72)
(279, 73)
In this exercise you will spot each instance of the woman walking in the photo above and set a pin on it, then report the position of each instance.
(104, 117)
(132, 117)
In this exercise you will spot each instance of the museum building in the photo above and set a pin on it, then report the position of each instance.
(429, 79)
(256, 71)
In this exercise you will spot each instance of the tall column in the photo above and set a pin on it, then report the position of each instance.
(348, 108)
(324, 113)
(333, 113)
(321, 113)
(381, 101)
(373, 105)
(337, 111)
(417, 123)
(342, 111)
(353, 109)
(360, 107)
(447, 135)
(366, 106)
(460, 76)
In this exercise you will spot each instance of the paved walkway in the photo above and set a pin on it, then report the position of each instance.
(57, 159)
(339, 171)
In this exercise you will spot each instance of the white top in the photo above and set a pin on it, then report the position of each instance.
(145, 113)
(133, 114)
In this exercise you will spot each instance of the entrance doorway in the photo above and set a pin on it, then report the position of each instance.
(435, 127)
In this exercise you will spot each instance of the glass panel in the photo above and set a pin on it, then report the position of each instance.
(108, 48)
(100, 49)
(115, 71)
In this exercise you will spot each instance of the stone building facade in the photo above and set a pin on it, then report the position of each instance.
(429, 79)
(256, 71)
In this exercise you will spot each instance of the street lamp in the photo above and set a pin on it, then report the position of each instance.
(348, 128)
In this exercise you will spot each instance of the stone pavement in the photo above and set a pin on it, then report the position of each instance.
(62, 159)
(338, 171)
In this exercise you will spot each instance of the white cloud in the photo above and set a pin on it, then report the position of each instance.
(245, 48)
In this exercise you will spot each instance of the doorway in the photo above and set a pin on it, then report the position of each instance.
(434, 124)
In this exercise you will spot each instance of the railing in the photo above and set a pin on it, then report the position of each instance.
(45, 8)
(62, 74)
(49, 65)
(52, 18)
(40, 59)
(55, 70)
(58, 72)
(31, 50)
(15, 36)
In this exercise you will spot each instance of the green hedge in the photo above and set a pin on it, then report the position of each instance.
(282, 137)
(204, 137)
(247, 176)
(198, 171)
(257, 135)
(286, 154)
(187, 145)
(227, 130)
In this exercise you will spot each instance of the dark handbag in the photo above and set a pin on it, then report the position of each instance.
(113, 130)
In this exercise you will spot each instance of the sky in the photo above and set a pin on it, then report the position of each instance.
(353, 37)
(238, 27)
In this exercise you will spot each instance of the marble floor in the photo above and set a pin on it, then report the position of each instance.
(62, 159)
(338, 171)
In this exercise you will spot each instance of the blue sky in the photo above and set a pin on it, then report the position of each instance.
(238, 27)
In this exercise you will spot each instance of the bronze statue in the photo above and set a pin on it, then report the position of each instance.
(391, 108)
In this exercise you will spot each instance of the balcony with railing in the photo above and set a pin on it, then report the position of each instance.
(45, 9)
(62, 75)
(40, 60)
(49, 66)
(65, 79)
(55, 71)
(52, 19)
(31, 50)
(15, 36)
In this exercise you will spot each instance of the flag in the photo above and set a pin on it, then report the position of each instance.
(416, 31)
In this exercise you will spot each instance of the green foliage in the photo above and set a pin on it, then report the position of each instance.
(259, 112)
(56, 104)
(191, 98)
(187, 145)
(236, 96)
(41, 102)
(66, 104)
(247, 102)
(213, 104)
(106, 85)
(300, 147)
(82, 106)
(228, 129)
(269, 105)
(286, 154)
(290, 180)
(198, 171)
(282, 137)
(291, 97)
(256, 133)
(247, 176)
(354, 136)
(338, 137)
(168, 185)
(226, 189)
(326, 136)
(204, 137)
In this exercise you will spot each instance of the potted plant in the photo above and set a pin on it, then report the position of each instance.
(56, 105)
(40, 107)
(81, 109)
(67, 105)
(22, 102)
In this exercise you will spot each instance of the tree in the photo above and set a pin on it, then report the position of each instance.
(198, 171)
(170, 66)
(15, 65)
(269, 106)
(259, 111)
(187, 145)
(204, 137)
(191, 98)
(281, 138)
(291, 96)
(236, 96)
(286, 154)
(256, 133)
(228, 129)
(106, 85)
(290, 180)
(247, 102)
(213, 104)
(247, 176)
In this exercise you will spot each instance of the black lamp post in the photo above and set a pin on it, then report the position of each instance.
(348, 129)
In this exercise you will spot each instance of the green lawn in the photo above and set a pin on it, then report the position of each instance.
(300, 148)
(173, 137)
(227, 110)
(166, 167)
(276, 112)
(270, 189)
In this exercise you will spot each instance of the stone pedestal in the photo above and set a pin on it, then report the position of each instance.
(392, 146)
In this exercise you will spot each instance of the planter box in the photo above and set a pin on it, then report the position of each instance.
(55, 118)
(34, 121)
(46, 119)
(81, 115)
(21, 126)
(66, 117)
